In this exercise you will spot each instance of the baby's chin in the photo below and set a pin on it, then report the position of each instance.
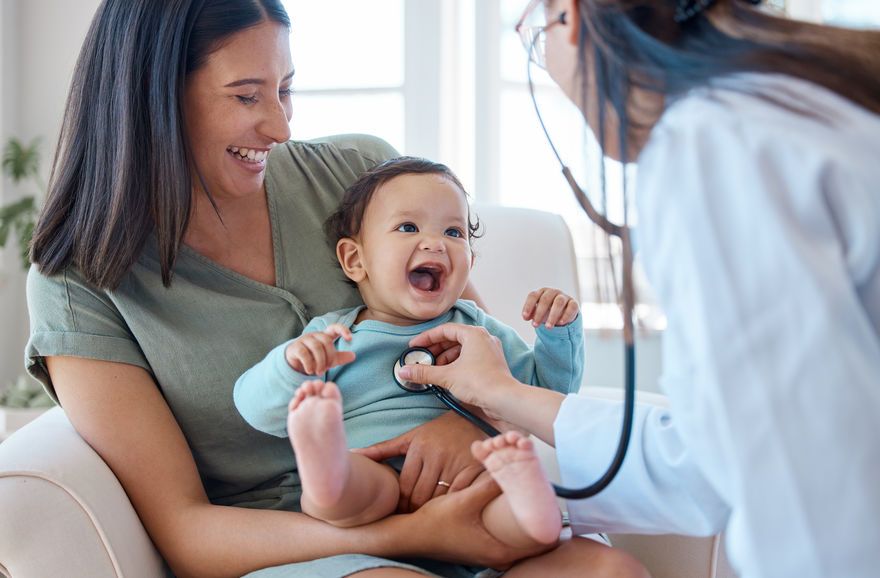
(420, 310)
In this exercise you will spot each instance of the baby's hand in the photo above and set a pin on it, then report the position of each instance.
(314, 353)
(551, 307)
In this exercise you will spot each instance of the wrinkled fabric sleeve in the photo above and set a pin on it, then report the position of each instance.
(659, 489)
(263, 392)
(781, 398)
(555, 362)
(70, 317)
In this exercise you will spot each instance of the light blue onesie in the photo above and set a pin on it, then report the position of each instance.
(374, 407)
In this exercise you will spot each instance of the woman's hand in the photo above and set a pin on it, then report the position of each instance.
(453, 525)
(474, 370)
(436, 451)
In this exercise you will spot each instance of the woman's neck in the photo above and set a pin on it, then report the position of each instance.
(237, 234)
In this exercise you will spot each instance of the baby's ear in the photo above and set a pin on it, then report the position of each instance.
(348, 251)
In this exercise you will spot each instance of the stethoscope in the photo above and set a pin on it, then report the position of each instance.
(422, 356)
(418, 355)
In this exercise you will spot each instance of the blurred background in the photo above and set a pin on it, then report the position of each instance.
(445, 79)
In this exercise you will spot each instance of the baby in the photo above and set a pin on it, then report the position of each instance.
(403, 235)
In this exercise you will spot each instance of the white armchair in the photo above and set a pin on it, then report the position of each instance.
(63, 513)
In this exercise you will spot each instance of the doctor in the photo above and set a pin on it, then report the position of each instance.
(757, 141)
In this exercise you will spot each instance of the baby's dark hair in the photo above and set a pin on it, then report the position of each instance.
(347, 220)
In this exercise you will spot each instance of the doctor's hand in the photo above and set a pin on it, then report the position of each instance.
(475, 370)
(550, 307)
(315, 353)
(435, 451)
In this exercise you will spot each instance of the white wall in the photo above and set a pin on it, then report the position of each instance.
(805, 9)
(39, 43)
(12, 318)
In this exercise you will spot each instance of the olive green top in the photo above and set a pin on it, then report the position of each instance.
(200, 334)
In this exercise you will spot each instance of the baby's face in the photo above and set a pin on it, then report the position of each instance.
(414, 248)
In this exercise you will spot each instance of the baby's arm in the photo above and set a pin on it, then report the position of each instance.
(559, 343)
(263, 392)
(557, 360)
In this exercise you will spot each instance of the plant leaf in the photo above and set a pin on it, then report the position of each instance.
(15, 216)
(17, 209)
(21, 162)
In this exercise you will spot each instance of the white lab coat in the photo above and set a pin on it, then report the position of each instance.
(759, 228)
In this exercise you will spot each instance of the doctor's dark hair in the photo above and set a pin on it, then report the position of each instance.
(347, 220)
(646, 44)
(121, 171)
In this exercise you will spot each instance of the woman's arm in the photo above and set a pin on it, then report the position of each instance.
(470, 292)
(120, 412)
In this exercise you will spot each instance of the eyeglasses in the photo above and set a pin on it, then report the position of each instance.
(532, 26)
(533, 38)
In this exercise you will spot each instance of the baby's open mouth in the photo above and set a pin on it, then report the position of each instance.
(426, 277)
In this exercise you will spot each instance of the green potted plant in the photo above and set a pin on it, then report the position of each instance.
(23, 400)
(17, 219)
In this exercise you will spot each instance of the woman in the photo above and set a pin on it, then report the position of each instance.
(171, 255)
(756, 139)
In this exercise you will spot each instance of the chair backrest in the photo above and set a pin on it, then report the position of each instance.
(521, 250)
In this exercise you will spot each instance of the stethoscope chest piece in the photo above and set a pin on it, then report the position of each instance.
(413, 356)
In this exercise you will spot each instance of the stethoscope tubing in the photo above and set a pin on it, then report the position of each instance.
(453, 404)
(567, 493)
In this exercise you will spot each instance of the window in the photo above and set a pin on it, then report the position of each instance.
(349, 71)
(435, 79)
(447, 80)
(858, 13)
(854, 13)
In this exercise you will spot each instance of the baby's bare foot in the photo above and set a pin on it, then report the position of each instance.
(314, 425)
(511, 459)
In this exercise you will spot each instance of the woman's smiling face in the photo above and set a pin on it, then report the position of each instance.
(237, 107)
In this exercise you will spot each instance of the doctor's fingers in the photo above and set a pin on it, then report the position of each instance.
(448, 332)
(437, 349)
(435, 374)
(448, 355)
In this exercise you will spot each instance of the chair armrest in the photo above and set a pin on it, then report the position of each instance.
(63, 512)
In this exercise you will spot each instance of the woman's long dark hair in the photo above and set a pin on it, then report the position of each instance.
(638, 44)
(122, 166)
